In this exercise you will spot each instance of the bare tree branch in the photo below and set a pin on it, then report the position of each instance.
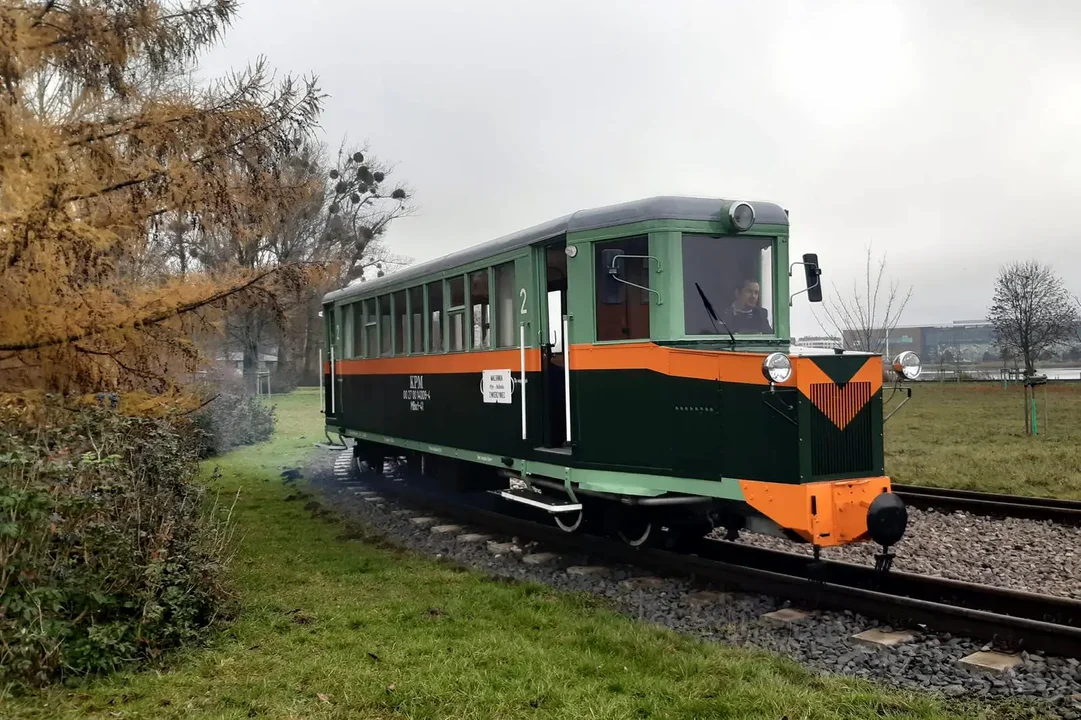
(1031, 311)
(856, 318)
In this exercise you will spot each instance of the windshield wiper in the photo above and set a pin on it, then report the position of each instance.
(713, 316)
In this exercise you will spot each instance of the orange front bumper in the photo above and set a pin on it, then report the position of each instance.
(823, 513)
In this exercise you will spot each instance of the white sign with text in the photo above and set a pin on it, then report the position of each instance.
(497, 386)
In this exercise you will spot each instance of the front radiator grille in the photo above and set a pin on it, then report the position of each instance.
(840, 431)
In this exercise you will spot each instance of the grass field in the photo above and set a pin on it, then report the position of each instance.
(971, 436)
(333, 626)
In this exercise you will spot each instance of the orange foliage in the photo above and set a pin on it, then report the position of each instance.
(101, 141)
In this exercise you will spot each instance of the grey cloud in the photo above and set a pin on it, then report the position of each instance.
(943, 132)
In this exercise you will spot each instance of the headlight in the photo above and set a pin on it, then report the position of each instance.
(777, 367)
(907, 365)
(742, 216)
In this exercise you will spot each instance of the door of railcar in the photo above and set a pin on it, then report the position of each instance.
(555, 408)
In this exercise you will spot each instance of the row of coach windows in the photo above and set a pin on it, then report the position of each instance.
(474, 311)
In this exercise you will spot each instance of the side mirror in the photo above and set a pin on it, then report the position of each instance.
(608, 257)
(612, 288)
(813, 274)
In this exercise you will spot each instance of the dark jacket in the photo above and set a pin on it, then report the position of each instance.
(753, 321)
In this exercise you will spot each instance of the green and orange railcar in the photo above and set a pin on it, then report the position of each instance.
(628, 366)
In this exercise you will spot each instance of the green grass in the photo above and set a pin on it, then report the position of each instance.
(336, 626)
(971, 436)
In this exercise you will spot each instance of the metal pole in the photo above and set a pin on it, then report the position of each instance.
(567, 374)
(332, 380)
(1028, 420)
(521, 379)
(1035, 424)
(322, 389)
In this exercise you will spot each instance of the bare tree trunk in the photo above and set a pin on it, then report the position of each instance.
(290, 346)
(310, 374)
(250, 348)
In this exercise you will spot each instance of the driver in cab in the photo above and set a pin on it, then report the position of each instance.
(744, 316)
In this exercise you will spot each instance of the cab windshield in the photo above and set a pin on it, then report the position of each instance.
(734, 277)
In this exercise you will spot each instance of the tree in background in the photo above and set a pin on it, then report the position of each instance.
(1031, 311)
(342, 229)
(865, 317)
(336, 225)
(103, 148)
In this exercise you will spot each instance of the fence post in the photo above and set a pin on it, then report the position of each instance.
(1028, 419)
(1035, 424)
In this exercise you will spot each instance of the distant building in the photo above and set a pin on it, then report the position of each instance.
(968, 341)
(962, 341)
(819, 341)
(266, 361)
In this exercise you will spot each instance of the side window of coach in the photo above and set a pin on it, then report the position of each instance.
(371, 336)
(357, 311)
(622, 308)
(456, 313)
(435, 317)
(416, 319)
(401, 323)
(506, 317)
(385, 324)
(481, 314)
(332, 328)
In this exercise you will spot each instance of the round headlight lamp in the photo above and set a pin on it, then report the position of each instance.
(907, 365)
(777, 367)
(742, 216)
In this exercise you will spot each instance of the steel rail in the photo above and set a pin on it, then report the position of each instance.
(1010, 618)
(1066, 512)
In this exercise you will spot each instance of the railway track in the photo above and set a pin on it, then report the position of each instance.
(1012, 619)
(1066, 512)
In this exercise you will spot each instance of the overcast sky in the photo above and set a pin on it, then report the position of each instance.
(947, 134)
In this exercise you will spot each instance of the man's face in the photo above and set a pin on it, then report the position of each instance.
(747, 296)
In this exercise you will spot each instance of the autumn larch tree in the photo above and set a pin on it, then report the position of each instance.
(100, 149)
(1031, 311)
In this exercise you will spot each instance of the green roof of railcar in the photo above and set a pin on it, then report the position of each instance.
(665, 207)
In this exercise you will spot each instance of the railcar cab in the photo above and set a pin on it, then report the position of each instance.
(614, 295)
(666, 353)
(723, 282)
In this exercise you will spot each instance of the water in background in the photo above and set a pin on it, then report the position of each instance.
(1055, 373)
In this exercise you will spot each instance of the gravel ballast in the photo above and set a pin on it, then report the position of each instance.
(822, 641)
(1031, 555)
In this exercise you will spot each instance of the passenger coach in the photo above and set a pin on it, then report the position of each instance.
(631, 364)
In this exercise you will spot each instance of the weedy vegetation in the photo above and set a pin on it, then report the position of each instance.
(972, 436)
(111, 552)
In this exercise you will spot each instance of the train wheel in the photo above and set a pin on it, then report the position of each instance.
(638, 535)
(636, 528)
(569, 522)
(368, 459)
(684, 536)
